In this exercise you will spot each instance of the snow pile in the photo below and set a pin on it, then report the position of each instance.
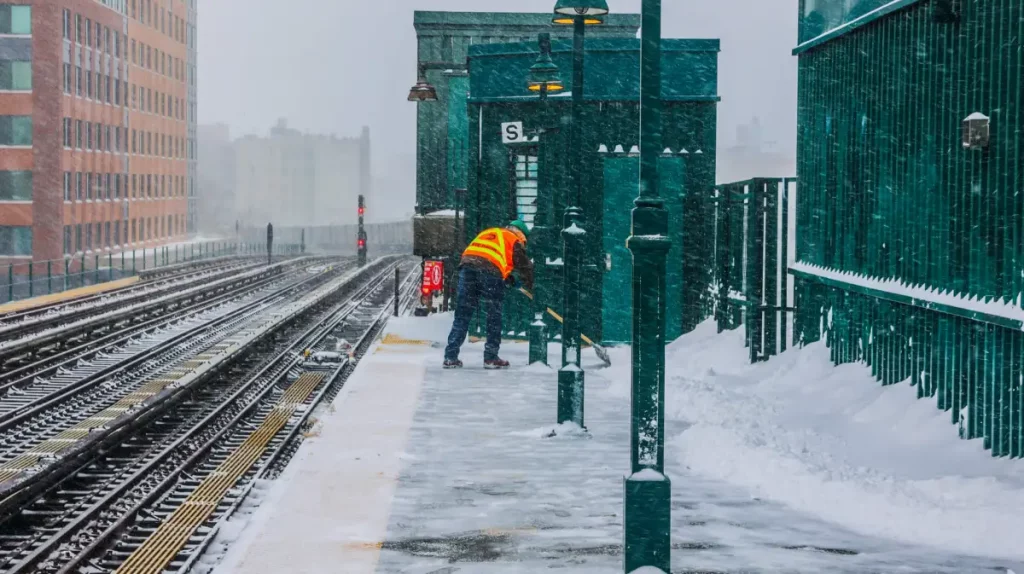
(835, 443)
(433, 328)
(563, 430)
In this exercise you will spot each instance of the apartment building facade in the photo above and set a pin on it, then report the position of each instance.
(96, 102)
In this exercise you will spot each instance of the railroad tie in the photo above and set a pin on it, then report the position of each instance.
(164, 544)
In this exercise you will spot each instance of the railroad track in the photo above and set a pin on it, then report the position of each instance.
(42, 329)
(93, 515)
(65, 310)
(118, 342)
(28, 342)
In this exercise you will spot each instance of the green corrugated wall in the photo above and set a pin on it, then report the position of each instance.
(887, 190)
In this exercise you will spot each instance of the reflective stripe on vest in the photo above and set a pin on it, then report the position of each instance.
(497, 246)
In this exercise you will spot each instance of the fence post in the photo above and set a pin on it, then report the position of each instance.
(10, 282)
(96, 269)
(192, 252)
(110, 266)
(49, 277)
(143, 258)
(67, 271)
(133, 263)
(31, 280)
(122, 264)
(81, 273)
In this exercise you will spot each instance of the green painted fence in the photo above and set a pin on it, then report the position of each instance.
(910, 246)
(752, 238)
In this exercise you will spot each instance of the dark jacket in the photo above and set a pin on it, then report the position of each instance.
(521, 264)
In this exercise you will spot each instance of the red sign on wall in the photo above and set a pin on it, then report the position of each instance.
(433, 276)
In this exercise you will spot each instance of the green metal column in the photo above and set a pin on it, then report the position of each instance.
(31, 281)
(647, 491)
(49, 277)
(10, 282)
(570, 376)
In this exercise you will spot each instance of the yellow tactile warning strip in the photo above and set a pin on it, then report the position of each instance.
(171, 536)
(50, 447)
(26, 304)
(392, 339)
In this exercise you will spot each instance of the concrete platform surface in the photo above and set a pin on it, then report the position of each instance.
(424, 471)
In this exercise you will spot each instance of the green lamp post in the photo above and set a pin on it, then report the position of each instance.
(647, 491)
(544, 79)
(580, 14)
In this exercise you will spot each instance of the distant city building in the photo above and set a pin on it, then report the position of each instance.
(752, 156)
(297, 179)
(215, 181)
(97, 113)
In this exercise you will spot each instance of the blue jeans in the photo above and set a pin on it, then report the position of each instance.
(475, 285)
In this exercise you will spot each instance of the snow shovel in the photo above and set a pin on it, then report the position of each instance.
(602, 353)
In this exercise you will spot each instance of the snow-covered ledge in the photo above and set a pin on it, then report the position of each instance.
(1002, 312)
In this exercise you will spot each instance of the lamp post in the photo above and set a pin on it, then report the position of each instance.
(579, 13)
(543, 79)
(647, 491)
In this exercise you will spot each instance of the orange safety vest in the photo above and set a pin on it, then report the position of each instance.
(495, 245)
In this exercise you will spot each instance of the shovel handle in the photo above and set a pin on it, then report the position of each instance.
(557, 317)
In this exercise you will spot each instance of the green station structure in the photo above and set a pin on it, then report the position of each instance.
(524, 173)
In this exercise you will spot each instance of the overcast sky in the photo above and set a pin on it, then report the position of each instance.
(332, 66)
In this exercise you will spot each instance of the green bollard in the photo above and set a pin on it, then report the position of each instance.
(175, 253)
(538, 340)
(122, 264)
(81, 273)
(96, 270)
(143, 258)
(110, 266)
(49, 278)
(31, 280)
(134, 272)
(67, 272)
(10, 283)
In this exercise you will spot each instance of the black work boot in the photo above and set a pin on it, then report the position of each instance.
(452, 364)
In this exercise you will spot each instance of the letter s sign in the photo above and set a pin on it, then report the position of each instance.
(511, 132)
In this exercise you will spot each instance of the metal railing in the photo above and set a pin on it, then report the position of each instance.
(26, 279)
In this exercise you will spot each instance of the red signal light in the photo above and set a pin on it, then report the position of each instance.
(361, 243)
(426, 290)
(362, 210)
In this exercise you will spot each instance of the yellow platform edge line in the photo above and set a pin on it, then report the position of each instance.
(392, 339)
(26, 304)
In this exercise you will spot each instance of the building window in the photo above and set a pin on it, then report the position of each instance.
(117, 186)
(78, 28)
(67, 79)
(117, 93)
(78, 80)
(106, 234)
(67, 240)
(78, 186)
(15, 19)
(67, 186)
(135, 186)
(117, 232)
(134, 237)
(67, 132)
(88, 187)
(117, 139)
(108, 190)
(15, 240)
(15, 75)
(16, 185)
(99, 236)
(106, 40)
(88, 135)
(79, 134)
(16, 130)
(67, 24)
(88, 84)
(99, 35)
(117, 45)
(526, 186)
(88, 32)
(106, 130)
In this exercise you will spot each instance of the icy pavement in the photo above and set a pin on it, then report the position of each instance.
(478, 486)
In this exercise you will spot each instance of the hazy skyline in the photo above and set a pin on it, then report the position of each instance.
(332, 66)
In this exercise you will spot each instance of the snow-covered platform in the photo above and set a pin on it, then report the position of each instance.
(789, 466)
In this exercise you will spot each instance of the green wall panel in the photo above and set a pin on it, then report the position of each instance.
(888, 191)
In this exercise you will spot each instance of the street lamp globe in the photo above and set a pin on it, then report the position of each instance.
(592, 10)
(545, 73)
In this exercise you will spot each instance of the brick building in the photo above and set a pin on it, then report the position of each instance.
(97, 114)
